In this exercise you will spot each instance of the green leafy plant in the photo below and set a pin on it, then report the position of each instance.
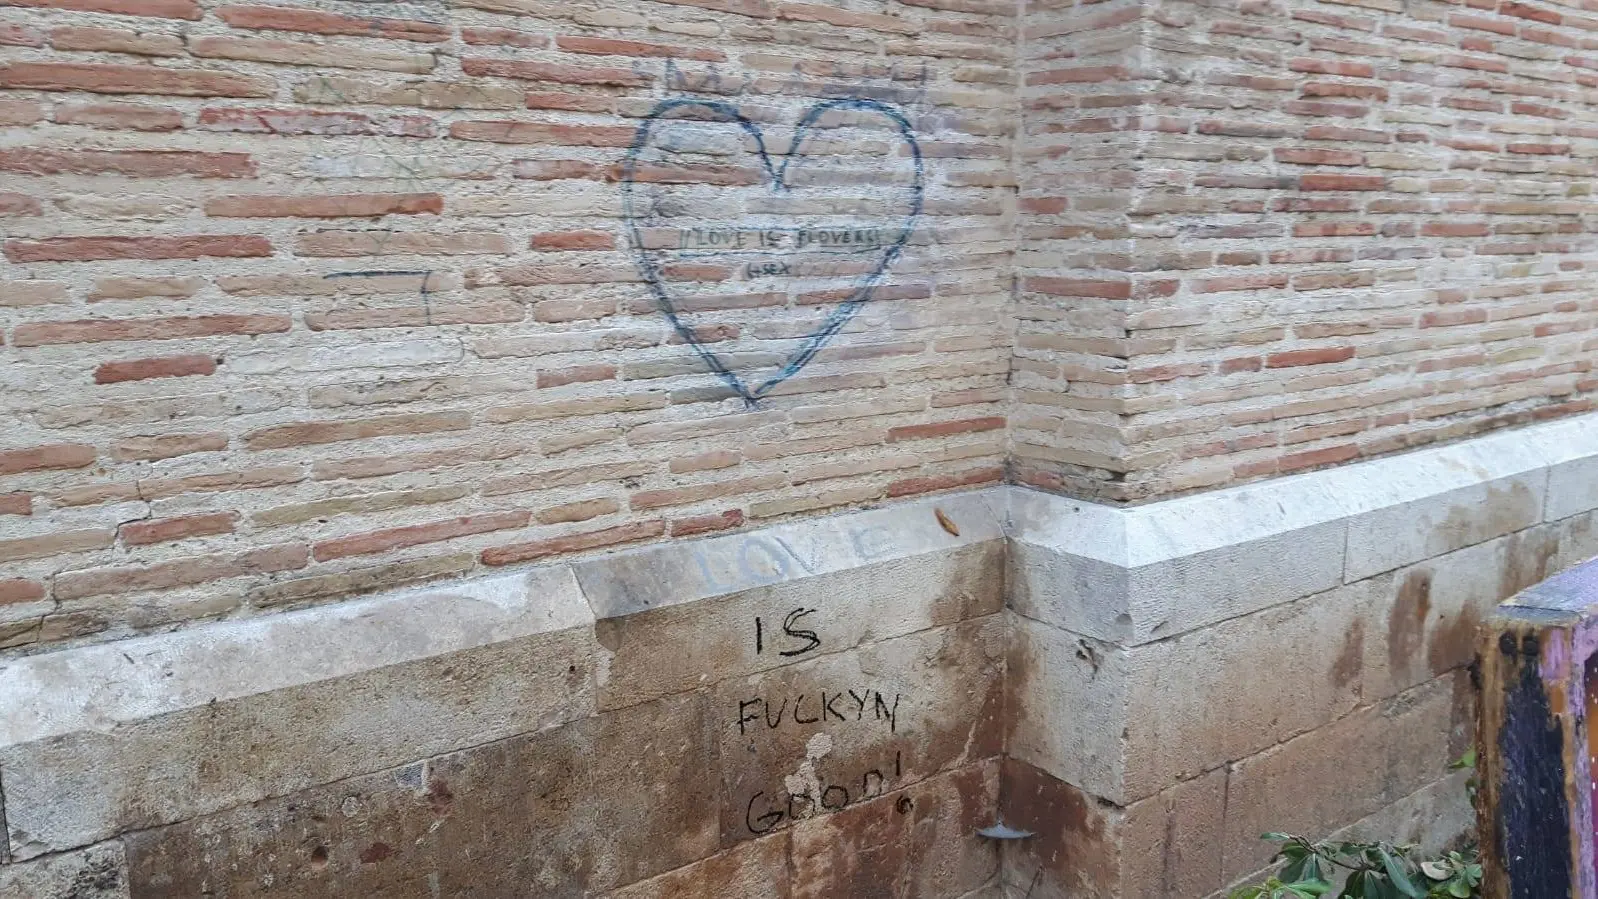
(1374, 870)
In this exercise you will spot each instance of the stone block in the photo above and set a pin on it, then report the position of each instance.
(1142, 575)
(1168, 845)
(1578, 539)
(808, 739)
(80, 787)
(1421, 620)
(1572, 488)
(1404, 533)
(919, 841)
(98, 872)
(577, 810)
(1342, 772)
(752, 868)
(1069, 705)
(664, 650)
(1126, 722)
(671, 574)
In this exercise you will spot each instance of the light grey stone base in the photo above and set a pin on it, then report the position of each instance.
(1189, 673)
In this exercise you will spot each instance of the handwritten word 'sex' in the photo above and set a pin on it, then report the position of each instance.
(790, 629)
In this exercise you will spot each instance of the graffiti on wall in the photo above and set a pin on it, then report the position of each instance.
(848, 733)
(710, 202)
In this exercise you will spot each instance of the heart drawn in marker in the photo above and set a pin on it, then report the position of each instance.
(768, 260)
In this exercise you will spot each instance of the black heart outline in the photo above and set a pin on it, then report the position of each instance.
(863, 288)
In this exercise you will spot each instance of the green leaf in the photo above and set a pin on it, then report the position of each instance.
(1437, 870)
(1395, 873)
(1460, 890)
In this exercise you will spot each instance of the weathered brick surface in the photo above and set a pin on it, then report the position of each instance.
(273, 255)
(1258, 238)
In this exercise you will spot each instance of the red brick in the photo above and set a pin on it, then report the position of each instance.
(575, 375)
(55, 544)
(160, 367)
(930, 484)
(323, 205)
(1528, 11)
(539, 549)
(578, 511)
(18, 205)
(82, 249)
(1332, 67)
(417, 534)
(610, 47)
(49, 456)
(116, 40)
(1451, 317)
(1334, 229)
(704, 524)
(1311, 458)
(16, 590)
(168, 446)
(128, 116)
(945, 428)
(558, 73)
(317, 432)
(311, 121)
(504, 37)
(1319, 356)
(278, 18)
(574, 240)
(832, 15)
(118, 79)
(1455, 229)
(507, 132)
(1240, 282)
(16, 504)
(165, 9)
(96, 330)
(1068, 287)
(179, 572)
(1342, 182)
(133, 163)
(161, 530)
(1319, 156)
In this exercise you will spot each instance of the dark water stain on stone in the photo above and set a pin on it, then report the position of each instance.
(1351, 658)
(1453, 642)
(1406, 624)
(1530, 555)
(439, 796)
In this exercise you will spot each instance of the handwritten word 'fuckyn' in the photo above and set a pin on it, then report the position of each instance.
(805, 708)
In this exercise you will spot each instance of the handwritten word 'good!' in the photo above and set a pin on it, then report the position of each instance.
(781, 239)
(808, 708)
(761, 816)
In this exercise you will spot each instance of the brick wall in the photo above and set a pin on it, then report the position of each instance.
(1348, 228)
(299, 301)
